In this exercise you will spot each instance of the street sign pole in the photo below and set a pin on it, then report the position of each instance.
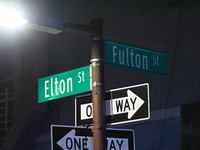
(98, 89)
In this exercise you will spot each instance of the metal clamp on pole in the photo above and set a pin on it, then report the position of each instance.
(96, 62)
(95, 84)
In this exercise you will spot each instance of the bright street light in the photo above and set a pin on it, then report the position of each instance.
(10, 17)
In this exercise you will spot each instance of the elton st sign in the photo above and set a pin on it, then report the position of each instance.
(133, 58)
(64, 84)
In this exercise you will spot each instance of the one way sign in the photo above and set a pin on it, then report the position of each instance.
(123, 105)
(80, 138)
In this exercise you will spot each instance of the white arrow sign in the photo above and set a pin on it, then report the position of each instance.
(123, 105)
(129, 104)
(72, 142)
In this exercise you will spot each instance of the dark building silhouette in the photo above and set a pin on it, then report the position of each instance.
(170, 27)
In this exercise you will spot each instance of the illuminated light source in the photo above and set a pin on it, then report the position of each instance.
(11, 18)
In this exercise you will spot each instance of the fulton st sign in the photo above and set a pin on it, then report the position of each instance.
(133, 58)
(64, 84)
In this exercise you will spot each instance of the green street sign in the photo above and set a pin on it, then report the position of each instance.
(128, 57)
(64, 84)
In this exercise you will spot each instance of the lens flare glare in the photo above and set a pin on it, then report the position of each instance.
(11, 18)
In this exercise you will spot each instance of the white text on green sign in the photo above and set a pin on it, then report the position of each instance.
(64, 84)
(133, 58)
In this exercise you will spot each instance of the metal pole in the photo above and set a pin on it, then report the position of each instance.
(98, 89)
